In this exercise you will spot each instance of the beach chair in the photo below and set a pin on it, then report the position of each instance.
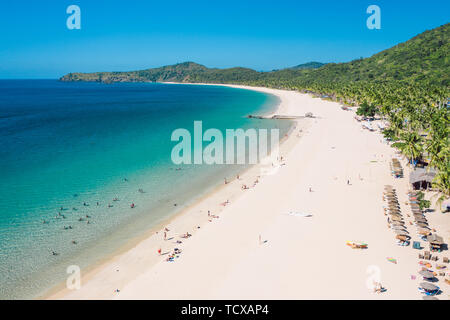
(416, 245)
(427, 255)
(421, 256)
(445, 259)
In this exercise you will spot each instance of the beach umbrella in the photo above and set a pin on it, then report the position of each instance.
(401, 233)
(422, 224)
(402, 237)
(400, 228)
(424, 232)
(429, 286)
(426, 274)
(393, 204)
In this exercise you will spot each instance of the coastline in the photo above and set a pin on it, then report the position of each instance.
(59, 290)
(223, 259)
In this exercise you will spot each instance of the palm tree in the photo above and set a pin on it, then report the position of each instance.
(410, 144)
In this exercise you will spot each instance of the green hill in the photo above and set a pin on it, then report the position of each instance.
(308, 65)
(423, 58)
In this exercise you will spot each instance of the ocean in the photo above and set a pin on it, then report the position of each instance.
(68, 149)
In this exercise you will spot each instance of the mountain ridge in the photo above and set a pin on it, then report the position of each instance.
(423, 58)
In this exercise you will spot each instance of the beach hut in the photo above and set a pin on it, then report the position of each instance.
(421, 178)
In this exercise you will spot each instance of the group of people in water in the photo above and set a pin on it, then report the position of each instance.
(86, 218)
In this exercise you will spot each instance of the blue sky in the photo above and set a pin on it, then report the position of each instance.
(260, 34)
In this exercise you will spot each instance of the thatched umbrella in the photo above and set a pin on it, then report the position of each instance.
(398, 223)
(402, 237)
(435, 239)
(424, 232)
(426, 274)
(401, 233)
(429, 286)
(422, 224)
(397, 218)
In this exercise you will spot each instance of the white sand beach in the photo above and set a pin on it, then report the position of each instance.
(298, 257)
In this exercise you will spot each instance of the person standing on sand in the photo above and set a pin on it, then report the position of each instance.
(165, 235)
(159, 251)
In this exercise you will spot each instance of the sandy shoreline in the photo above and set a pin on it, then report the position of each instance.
(300, 258)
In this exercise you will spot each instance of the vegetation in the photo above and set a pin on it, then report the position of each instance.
(423, 204)
(367, 110)
(407, 85)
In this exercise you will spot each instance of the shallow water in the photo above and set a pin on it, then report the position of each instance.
(66, 144)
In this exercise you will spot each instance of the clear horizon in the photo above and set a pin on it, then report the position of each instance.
(118, 36)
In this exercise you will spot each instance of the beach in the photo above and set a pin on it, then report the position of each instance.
(250, 247)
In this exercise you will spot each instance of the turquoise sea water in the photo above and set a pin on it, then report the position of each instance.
(64, 145)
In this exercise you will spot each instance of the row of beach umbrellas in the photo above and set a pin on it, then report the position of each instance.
(420, 220)
(395, 217)
(396, 168)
